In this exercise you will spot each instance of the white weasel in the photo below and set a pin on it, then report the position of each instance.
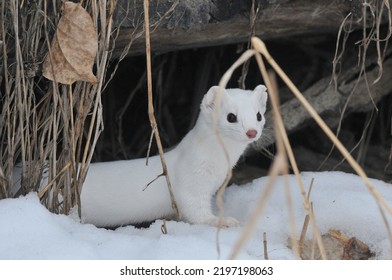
(115, 193)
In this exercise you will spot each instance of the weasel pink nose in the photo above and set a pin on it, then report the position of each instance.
(251, 133)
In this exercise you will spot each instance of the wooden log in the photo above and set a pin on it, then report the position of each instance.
(190, 23)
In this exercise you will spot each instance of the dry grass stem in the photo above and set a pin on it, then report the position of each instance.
(283, 145)
(274, 94)
(279, 166)
(43, 191)
(310, 188)
(151, 107)
(164, 227)
(252, 220)
(253, 15)
(51, 129)
(306, 221)
(265, 247)
(303, 234)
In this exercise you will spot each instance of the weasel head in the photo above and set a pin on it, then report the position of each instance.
(238, 114)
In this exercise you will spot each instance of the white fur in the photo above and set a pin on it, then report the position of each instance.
(115, 193)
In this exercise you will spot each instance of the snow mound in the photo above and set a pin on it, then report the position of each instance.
(341, 202)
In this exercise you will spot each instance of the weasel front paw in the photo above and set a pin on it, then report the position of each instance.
(224, 222)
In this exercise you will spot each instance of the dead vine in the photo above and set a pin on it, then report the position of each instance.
(372, 14)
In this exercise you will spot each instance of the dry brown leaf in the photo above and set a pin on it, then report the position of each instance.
(73, 48)
(338, 246)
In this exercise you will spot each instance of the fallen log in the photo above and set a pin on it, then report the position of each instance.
(189, 24)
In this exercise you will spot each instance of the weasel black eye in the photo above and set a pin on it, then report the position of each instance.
(258, 116)
(231, 118)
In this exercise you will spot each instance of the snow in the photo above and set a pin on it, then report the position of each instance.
(341, 202)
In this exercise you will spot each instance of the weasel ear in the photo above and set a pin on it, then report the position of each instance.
(261, 92)
(209, 99)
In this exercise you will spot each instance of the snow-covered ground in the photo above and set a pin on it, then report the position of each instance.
(341, 202)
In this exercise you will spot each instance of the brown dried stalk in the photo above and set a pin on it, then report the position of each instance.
(151, 109)
(53, 132)
(265, 248)
(279, 165)
(279, 121)
(305, 225)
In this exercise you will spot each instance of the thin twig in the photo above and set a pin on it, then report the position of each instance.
(274, 94)
(47, 187)
(265, 249)
(253, 14)
(310, 188)
(279, 166)
(283, 146)
(164, 227)
(151, 108)
(303, 234)
(280, 162)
